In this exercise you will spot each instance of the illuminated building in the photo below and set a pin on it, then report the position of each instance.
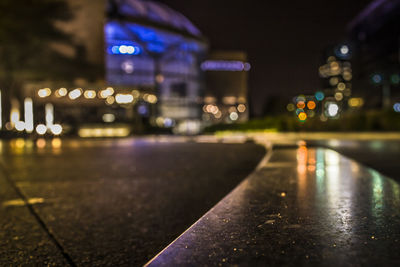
(336, 74)
(152, 46)
(375, 33)
(226, 74)
(150, 57)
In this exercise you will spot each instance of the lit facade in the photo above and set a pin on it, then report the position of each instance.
(226, 74)
(150, 46)
(146, 54)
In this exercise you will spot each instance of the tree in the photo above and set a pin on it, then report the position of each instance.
(27, 33)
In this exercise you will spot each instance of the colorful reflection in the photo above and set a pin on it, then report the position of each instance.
(377, 193)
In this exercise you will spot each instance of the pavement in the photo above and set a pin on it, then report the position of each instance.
(186, 201)
(110, 202)
(381, 155)
(304, 206)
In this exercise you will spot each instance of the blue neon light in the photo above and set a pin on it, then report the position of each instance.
(225, 65)
(125, 50)
(396, 107)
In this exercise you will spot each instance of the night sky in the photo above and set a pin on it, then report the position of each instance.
(284, 39)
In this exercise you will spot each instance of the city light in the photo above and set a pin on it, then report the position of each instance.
(332, 109)
(344, 49)
(90, 94)
(106, 92)
(310, 113)
(377, 78)
(143, 110)
(160, 78)
(395, 79)
(290, 107)
(333, 81)
(127, 66)
(75, 94)
(125, 50)
(334, 68)
(45, 92)
(338, 96)
(356, 102)
(341, 86)
(311, 104)
(347, 76)
(152, 99)
(319, 96)
(135, 93)
(301, 98)
(56, 129)
(168, 122)
(110, 100)
(20, 126)
(225, 65)
(108, 117)
(14, 116)
(104, 132)
(396, 107)
(212, 109)
(241, 108)
(299, 110)
(49, 114)
(229, 100)
(302, 116)
(1, 112)
(233, 116)
(61, 92)
(124, 98)
(160, 121)
(28, 114)
(301, 104)
(41, 129)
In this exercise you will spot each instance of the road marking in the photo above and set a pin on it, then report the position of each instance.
(21, 202)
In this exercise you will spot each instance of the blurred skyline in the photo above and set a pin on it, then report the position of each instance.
(284, 41)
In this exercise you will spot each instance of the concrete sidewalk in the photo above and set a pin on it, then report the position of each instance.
(304, 206)
(23, 239)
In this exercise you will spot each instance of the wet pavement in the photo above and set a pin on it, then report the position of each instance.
(120, 202)
(306, 206)
(109, 203)
(382, 155)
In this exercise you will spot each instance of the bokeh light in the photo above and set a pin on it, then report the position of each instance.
(332, 109)
(311, 104)
(377, 78)
(301, 104)
(75, 94)
(45, 92)
(90, 94)
(290, 107)
(302, 116)
(396, 107)
(41, 129)
(319, 96)
(395, 79)
(356, 102)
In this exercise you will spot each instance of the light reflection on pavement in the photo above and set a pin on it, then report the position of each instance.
(316, 207)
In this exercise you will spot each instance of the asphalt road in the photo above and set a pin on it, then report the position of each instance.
(109, 203)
